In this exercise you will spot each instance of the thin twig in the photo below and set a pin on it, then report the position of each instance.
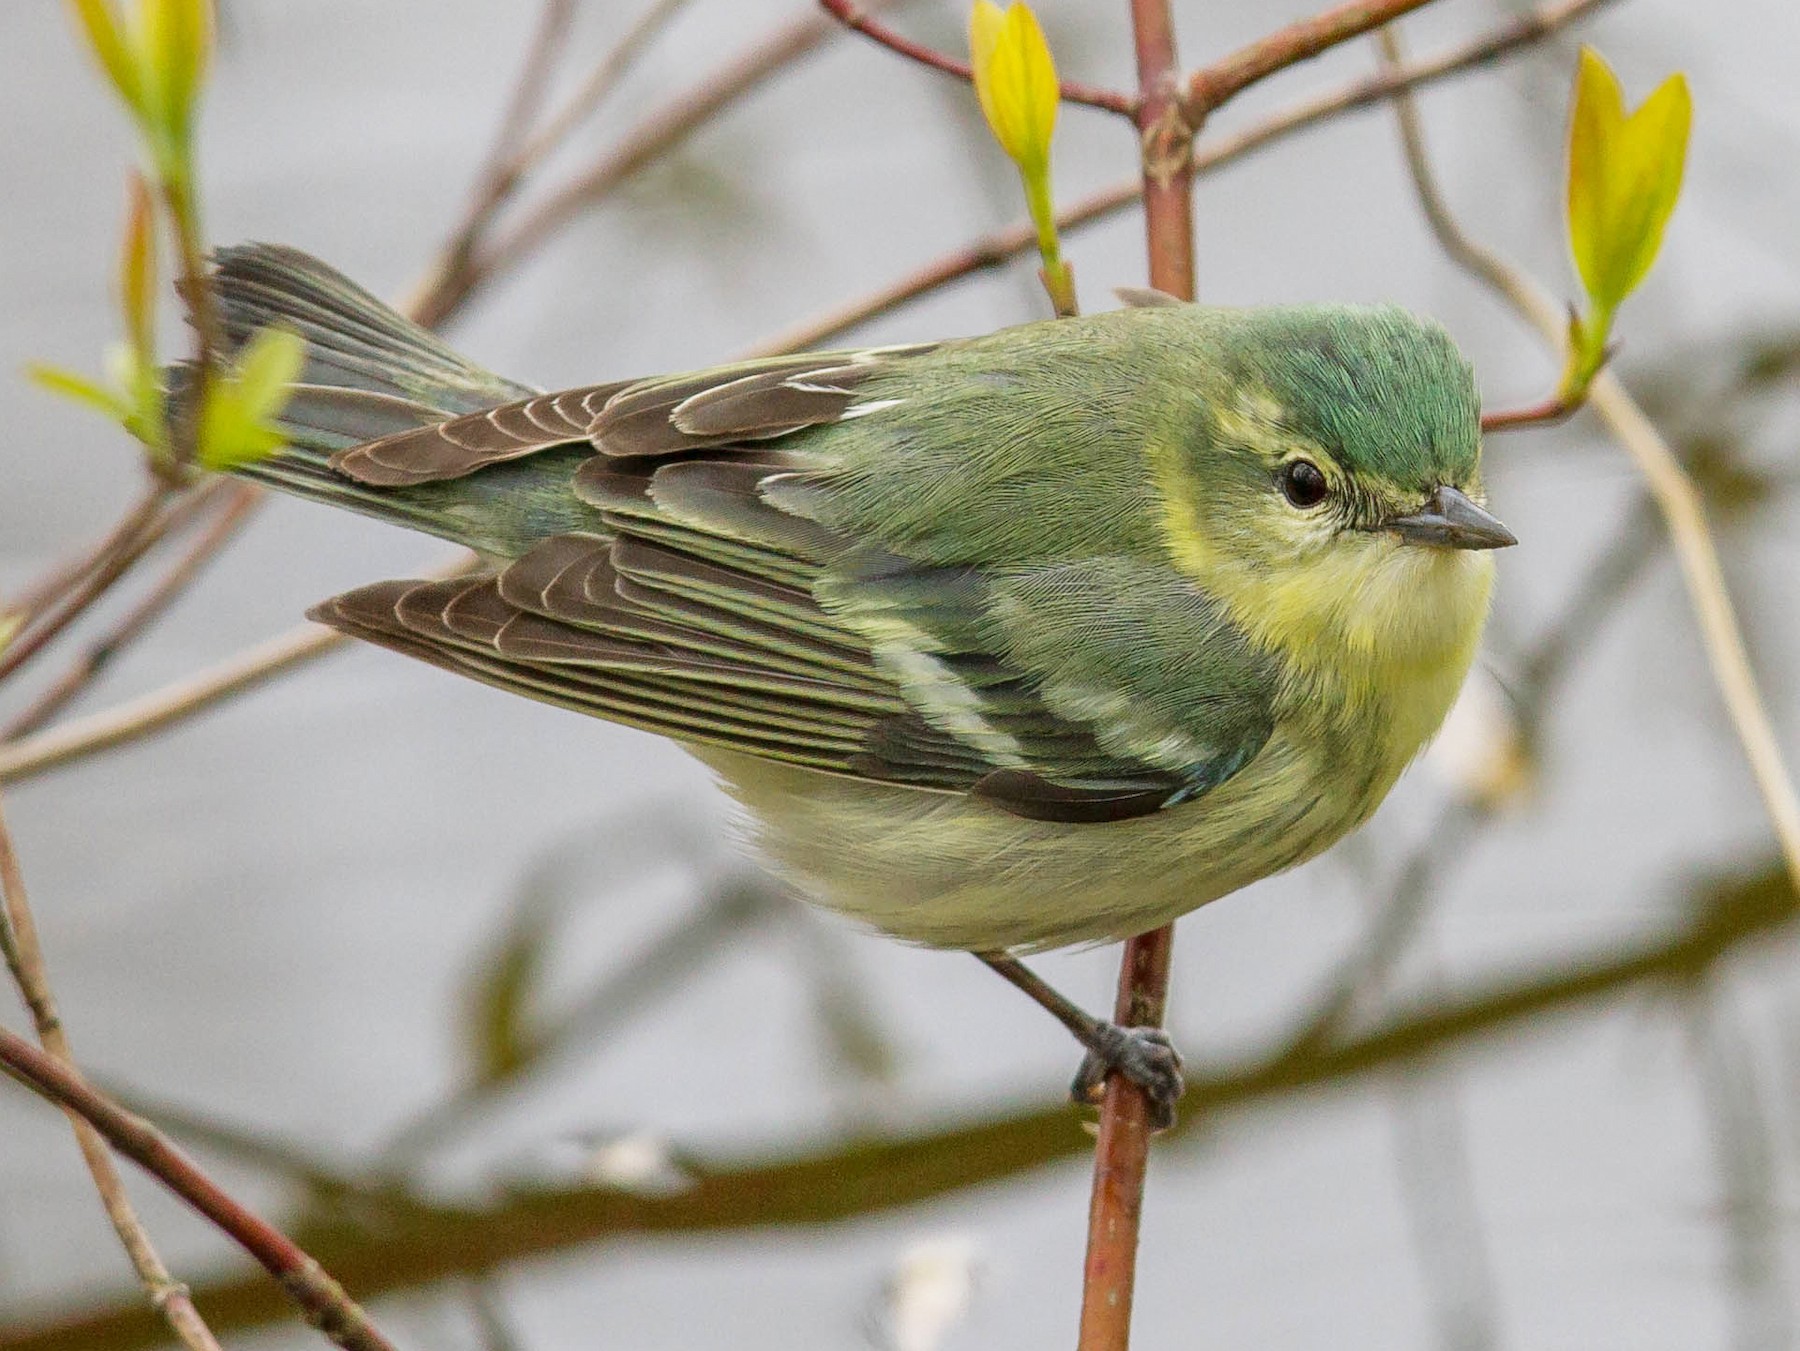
(240, 501)
(1545, 413)
(853, 16)
(25, 959)
(57, 583)
(139, 717)
(324, 1302)
(1215, 84)
(1676, 497)
(508, 160)
(136, 718)
(1749, 1167)
(600, 82)
(1004, 245)
(139, 530)
(652, 138)
(528, 92)
(1438, 1192)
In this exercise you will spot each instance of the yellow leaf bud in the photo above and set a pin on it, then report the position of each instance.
(1624, 177)
(1016, 81)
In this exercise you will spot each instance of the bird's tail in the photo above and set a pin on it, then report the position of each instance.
(369, 372)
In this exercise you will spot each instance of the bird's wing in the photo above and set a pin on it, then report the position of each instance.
(714, 603)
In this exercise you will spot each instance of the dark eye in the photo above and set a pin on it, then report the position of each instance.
(1303, 483)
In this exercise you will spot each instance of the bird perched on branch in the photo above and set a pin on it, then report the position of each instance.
(1003, 643)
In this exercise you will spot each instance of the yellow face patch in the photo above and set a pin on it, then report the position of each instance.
(1357, 610)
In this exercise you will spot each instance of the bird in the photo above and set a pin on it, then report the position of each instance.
(1003, 643)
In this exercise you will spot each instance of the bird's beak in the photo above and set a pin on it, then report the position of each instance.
(1451, 521)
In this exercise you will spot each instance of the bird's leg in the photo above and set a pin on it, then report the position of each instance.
(1144, 1055)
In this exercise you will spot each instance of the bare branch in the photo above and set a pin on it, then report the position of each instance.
(324, 1301)
(518, 149)
(852, 16)
(240, 501)
(1215, 84)
(25, 959)
(136, 718)
(654, 137)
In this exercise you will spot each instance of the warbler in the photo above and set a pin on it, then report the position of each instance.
(1003, 643)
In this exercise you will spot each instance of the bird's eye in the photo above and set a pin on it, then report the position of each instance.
(1303, 483)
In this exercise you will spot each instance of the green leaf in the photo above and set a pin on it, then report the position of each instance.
(235, 426)
(172, 40)
(1625, 175)
(107, 42)
(267, 370)
(1015, 79)
(82, 390)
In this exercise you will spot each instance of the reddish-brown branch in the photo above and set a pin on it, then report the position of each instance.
(1122, 1153)
(1122, 1157)
(851, 16)
(1220, 81)
(323, 1301)
(1551, 410)
(1168, 158)
(24, 957)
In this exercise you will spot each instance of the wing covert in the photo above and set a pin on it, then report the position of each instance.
(716, 601)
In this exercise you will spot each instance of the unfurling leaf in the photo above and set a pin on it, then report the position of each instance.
(1625, 175)
(107, 41)
(155, 56)
(81, 390)
(1015, 79)
(236, 425)
(174, 40)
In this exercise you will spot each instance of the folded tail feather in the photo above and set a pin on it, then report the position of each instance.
(370, 373)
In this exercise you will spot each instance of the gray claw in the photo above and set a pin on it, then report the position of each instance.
(1145, 1056)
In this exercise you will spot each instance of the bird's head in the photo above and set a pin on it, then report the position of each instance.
(1333, 497)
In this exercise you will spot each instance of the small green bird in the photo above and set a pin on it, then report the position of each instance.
(1003, 643)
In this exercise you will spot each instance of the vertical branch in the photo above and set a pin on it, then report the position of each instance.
(1122, 1156)
(1122, 1153)
(1168, 144)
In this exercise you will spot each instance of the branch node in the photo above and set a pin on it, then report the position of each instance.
(1168, 145)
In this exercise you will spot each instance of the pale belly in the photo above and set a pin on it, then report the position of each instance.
(948, 871)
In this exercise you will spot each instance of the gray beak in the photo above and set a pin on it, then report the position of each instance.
(1451, 521)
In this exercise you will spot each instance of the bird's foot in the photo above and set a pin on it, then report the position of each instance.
(1145, 1056)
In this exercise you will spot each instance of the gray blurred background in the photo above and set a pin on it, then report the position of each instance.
(272, 918)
